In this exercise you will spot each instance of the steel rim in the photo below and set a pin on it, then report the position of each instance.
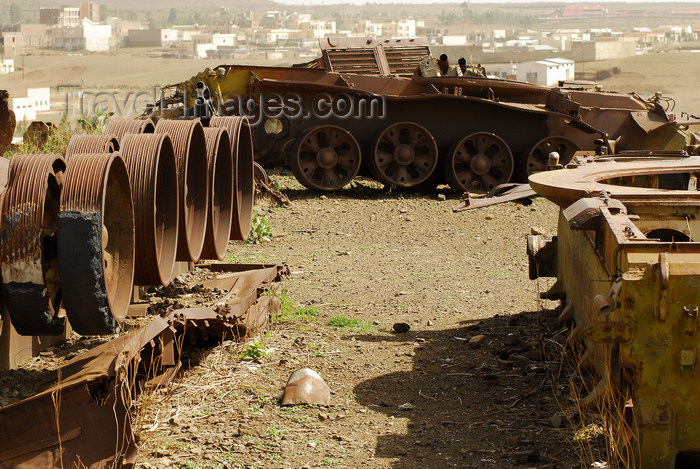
(242, 150)
(479, 162)
(326, 158)
(405, 154)
(118, 244)
(121, 127)
(28, 244)
(97, 274)
(538, 158)
(150, 161)
(92, 143)
(222, 178)
(193, 183)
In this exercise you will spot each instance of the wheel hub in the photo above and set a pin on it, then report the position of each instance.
(404, 154)
(480, 164)
(327, 158)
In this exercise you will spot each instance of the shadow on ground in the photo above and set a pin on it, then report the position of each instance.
(495, 402)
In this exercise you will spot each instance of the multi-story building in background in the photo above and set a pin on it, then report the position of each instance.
(11, 44)
(90, 10)
(66, 16)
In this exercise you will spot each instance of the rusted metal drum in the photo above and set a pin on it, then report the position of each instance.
(30, 272)
(193, 182)
(242, 150)
(92, 143)
(221, 176)
(121, 127)
(150, 162)
(96, 242)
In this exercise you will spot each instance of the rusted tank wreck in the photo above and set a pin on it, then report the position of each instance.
(627, 263)
(363, 108)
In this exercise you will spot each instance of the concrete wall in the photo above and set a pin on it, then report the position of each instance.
(35, 35)
(224, 40)
(41, 98)
(590, 51)
(200, 50)
(168, 37)
(614, 49)
(11, 44)
(23, 109)
(69, 38)
(97, 36)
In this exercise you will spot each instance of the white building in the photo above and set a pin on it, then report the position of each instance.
(41, 98)
(96, 36)
(23, 109)
(65, 16)
(454, 40)
(37, 100)
(70, 16)
(522, 42)
(223, 40)
(372, 29)
(406, 28)
(546, 72)
(186, 32)
(318, 29)
(401, 28)
(201, 49)
(7, 66)
(87, 36)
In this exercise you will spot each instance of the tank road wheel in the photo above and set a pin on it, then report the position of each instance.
(538, 158)
(326, 158)
(405, 154)
(480, 161)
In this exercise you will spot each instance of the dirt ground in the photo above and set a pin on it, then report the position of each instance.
(467, 386)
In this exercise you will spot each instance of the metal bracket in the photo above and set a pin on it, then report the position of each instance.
(609, 332)
(661, 310)
(689, 323)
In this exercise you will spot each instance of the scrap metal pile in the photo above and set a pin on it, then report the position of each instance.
(77, 232)
(627, 263)
(363, 108)
(118, 210)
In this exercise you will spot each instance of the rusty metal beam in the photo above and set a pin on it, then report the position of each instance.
(84, 418)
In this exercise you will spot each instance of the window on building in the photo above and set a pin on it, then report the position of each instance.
(531, 77)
